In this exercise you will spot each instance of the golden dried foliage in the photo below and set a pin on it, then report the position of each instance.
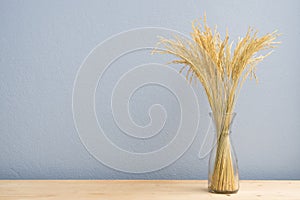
(211, 60)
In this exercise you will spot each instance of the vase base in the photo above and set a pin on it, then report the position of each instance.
(222, 191)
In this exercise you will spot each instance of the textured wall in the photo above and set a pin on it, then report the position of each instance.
(43, 43)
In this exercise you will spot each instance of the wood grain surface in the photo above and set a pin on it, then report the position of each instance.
(141, 189)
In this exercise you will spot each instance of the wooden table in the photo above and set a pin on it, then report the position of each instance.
(141, 189)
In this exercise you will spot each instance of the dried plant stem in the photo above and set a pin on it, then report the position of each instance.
(222, 73)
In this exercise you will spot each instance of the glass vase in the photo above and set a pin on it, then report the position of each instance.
(223, 176)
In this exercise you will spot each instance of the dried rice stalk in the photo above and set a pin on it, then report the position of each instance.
(222, 74)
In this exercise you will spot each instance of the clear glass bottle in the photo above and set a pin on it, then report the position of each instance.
(223, 176)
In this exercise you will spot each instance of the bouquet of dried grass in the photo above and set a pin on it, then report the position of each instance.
(222, 73)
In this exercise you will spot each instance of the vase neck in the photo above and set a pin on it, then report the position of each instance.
(222, 123)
